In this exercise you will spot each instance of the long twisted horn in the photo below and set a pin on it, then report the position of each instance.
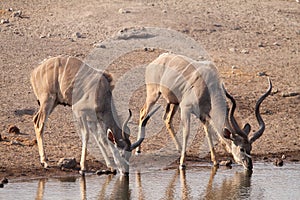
(233, 122)
(261, 123)
(142, 129)
(125, 124)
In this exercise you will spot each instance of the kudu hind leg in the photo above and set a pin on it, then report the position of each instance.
(39, 120)
(168, 118)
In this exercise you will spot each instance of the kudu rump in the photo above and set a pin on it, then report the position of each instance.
(195, 87)
(69, 81)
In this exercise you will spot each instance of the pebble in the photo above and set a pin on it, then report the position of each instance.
(15, 142)
(123, 11)
(13, 129)
(17, 13)
(290, 94)
(101, 172)
(4, 21)
(261, 45)
(232, 50)
(278, 162)
(245, 51)
(4, 180)
(77, 35)
(68, 163)
(262, 74)
(227, 163)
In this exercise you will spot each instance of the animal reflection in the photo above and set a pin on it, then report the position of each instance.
(178, 187)
(237, 187)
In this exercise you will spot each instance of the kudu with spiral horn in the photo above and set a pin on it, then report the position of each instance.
(69, 81)
(196, 88)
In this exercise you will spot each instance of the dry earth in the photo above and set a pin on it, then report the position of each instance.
(248, 40)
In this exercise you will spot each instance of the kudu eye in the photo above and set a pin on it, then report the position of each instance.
(242, 150)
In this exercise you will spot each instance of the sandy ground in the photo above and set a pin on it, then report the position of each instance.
(247, 40)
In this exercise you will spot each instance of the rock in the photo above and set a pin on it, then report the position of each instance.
(278, 162)
(101, 172)
(4, 180)
(13, 129)
(261, 45)
(245, 51)
(77, 35)
(17, 13)
(4, 21)
(234, 67)
(101, 46)
(123, 11)
(15, 142)
(232, 50)
(68, 163)
(226, 163)
(290, 94)
(261, 74)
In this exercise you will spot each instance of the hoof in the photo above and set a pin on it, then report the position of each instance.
(82, 172)
(45, 165)
(182, 167)
(125, 173)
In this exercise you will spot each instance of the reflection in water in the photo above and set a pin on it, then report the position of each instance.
(199, 182)
(41, 188)
(119, 187)
(83, 188)
(237, 187)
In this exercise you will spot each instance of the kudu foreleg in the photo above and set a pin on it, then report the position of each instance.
(84, 138)
(210, 144)
(185, 118)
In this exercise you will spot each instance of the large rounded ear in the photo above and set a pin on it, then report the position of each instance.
(110, 136)
(227, 133)
(247, 128)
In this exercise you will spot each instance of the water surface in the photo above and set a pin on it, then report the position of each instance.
(197, 182)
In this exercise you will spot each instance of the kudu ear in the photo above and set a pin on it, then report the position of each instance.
(247, 128)
(110, 136)
(227, 133)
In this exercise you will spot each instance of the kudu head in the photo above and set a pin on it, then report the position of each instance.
(241, 143)
(123, 148)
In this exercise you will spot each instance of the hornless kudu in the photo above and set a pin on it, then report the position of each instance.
(69, 81)
(195, 86)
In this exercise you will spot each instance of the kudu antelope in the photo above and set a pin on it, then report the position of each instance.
(195, 87)
(69, 81)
